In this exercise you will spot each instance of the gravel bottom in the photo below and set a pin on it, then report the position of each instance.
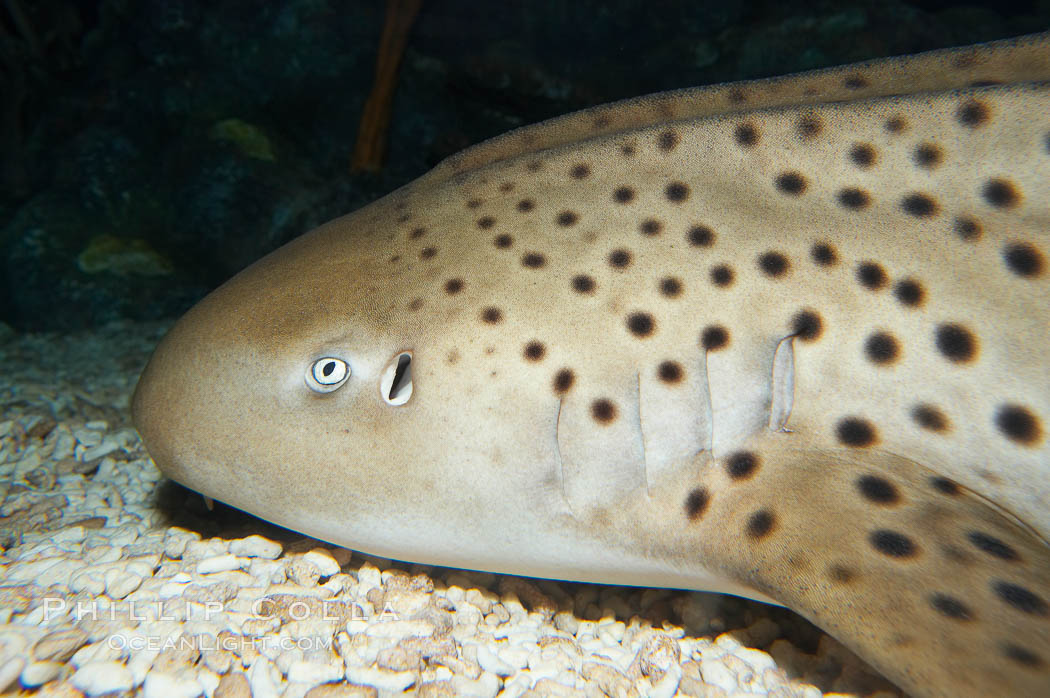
(116, 581)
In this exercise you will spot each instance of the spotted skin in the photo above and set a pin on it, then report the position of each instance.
(784, 339)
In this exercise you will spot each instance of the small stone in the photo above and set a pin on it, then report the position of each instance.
(323, 561)
(256, 546)
(101, 677)
(314, 673)
(303, 572)
(219, 563)
(491, 662)
(383, 680)
(341, 690)
(9, 672)
(160, 684)
(38, 673)
(59, 645)
(715, 672)
(233, 685)
(121, 583)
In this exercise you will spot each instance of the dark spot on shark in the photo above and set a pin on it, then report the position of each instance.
(1000, 193)
(871, 276)
(972, 113)
(745, 135)
(581, 283)
(773, 264)
(714, 337)
(992, 545)
(863, 155)
(853, 198)
(856, 432)
(809, 127)
(534, 350)
(882, 348)
(722, 275)
(892, 543)
(967, 228)
(760, 524)
(670, 372)
(1018, 424)
(563, 381)
(741, 465)
(623, 195)
(641, 324)
(920, 205)
(791, 183)
(909, 292)
(956, 343)
(807, 325)
(677, 192)
(603, 411)
(928, 156)
(945, 486)
(668, 140)
(823, 254)
(650, 227)
(1024, 657)
(568, 218)
(696, 503)
(878, 490)
(930, 417)
(895, 124)
(670, 287)
(533, 260)
(1020, 598)
(950, 607)
(619, 258)
(700, 236)
(1023, 259)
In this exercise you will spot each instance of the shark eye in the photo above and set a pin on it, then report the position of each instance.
(327, 374)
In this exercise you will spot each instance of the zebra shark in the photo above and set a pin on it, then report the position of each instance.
(785, 339)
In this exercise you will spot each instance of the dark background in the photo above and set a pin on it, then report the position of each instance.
(150, 149)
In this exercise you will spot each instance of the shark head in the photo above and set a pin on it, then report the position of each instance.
(319, 389)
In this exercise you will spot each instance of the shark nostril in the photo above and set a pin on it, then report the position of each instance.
(396, 384)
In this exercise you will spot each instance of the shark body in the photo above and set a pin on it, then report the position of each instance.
(784, 339)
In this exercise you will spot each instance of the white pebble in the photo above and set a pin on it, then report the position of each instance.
(383, 680)
(485, 686)
(324, 562)
(10, 670)
(256, 546)
(39, 673)
(491, 662)
(100, 677)
(667, 686)
(121, 583)
(313, 673)
(716, 673)
(219, 563)
(263, 677)
(160, 684)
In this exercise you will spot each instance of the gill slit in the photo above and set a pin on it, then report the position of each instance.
(561, 461)
(641, 434)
